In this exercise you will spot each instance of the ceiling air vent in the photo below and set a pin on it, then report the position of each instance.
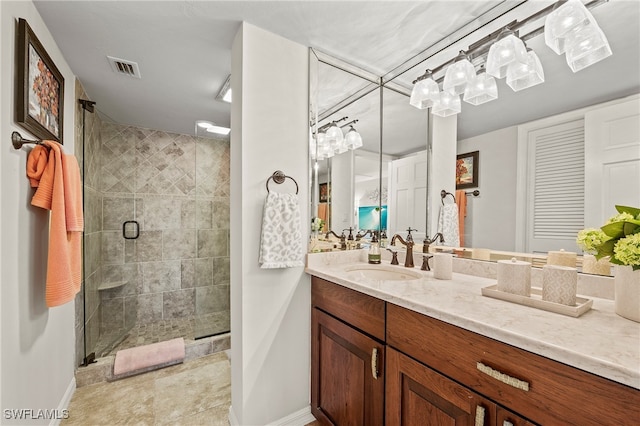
(125, 67)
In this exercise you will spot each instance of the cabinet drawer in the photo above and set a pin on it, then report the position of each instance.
(361, 311)
(557, 393)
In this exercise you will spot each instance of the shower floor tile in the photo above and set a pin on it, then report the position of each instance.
(159, 331)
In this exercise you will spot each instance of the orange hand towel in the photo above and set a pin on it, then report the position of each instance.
(461, 196)
(59, 190)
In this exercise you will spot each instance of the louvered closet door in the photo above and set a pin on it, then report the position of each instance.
(555, 187)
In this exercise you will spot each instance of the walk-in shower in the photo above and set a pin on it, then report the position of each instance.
(156, 243)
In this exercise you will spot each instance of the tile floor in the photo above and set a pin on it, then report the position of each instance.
(159, 331)
(196, 393)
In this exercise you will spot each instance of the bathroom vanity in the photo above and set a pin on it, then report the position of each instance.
(409, 349)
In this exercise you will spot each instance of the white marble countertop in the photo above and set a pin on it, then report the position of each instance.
(599, 341)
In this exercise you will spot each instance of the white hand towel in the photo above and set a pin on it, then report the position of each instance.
(448, 225)
(281, 238)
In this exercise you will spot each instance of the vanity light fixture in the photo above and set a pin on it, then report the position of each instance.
(586, 48)
(353, 140)
(425, 91)
(569, 28)
(568, 18)
(523, 76)
(508, 50)
(459, 74)
(572, 29)
(449, 104)
(334, 134)
(481, 90)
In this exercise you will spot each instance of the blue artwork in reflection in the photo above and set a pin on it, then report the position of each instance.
(371, 218)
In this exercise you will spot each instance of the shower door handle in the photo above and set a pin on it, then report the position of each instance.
(132, 231)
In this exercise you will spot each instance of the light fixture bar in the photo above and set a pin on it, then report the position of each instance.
(481, 47)
(326, 126)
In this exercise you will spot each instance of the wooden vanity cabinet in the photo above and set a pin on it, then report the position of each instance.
(417, 395)
(537, 388)
(505, 417)
(436, 373)
(347, 356)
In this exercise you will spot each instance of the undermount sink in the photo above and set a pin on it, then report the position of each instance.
(381, 273)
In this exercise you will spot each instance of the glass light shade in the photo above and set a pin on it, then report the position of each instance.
(569, 17)
(586, 47)
(458, 75)
(352, 139)
(521, 76)
(425, 93)
(482, 89)
(504, 52)
(340, 147)
(449, 104)
(322, 146)
(334, 133)
(313, 148)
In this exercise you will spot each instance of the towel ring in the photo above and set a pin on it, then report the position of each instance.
(279, 177)
(443, 195)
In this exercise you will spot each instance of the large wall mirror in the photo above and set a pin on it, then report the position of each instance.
(503, 217)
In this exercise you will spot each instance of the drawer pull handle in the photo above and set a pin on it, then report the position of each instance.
(374, 363)
(504, 378)
(479, 415)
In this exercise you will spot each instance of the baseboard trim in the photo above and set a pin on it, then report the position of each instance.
(299, 418)
(63, 407)
(233, 420)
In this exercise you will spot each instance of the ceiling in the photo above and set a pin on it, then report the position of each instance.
(183, 49)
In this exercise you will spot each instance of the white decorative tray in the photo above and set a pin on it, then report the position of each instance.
(535, 301)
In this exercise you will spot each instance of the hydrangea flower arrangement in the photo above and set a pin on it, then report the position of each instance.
(622, 244)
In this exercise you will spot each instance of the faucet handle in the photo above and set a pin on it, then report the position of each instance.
(350, 229)
(409, 236)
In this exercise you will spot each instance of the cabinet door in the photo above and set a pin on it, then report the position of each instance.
(505, 417)
(347, 387)
(418, 395)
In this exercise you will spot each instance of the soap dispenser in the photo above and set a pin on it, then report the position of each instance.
(374, 251)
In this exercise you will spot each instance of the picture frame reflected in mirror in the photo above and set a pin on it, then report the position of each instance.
(467, 168)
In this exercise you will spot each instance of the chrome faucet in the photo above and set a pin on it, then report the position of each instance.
(342, 238)
(427, 242)
(408, 243)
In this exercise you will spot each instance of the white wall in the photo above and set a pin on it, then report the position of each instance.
(270, 309)
(491, 217)
(443, 159)
(37, 343)
(342, 186)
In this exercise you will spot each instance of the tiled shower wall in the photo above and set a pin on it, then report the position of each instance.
(177, 188)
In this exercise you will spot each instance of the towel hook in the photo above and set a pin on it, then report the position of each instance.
(279, 177)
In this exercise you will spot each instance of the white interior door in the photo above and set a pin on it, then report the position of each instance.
(612, 160)
(408, 196)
